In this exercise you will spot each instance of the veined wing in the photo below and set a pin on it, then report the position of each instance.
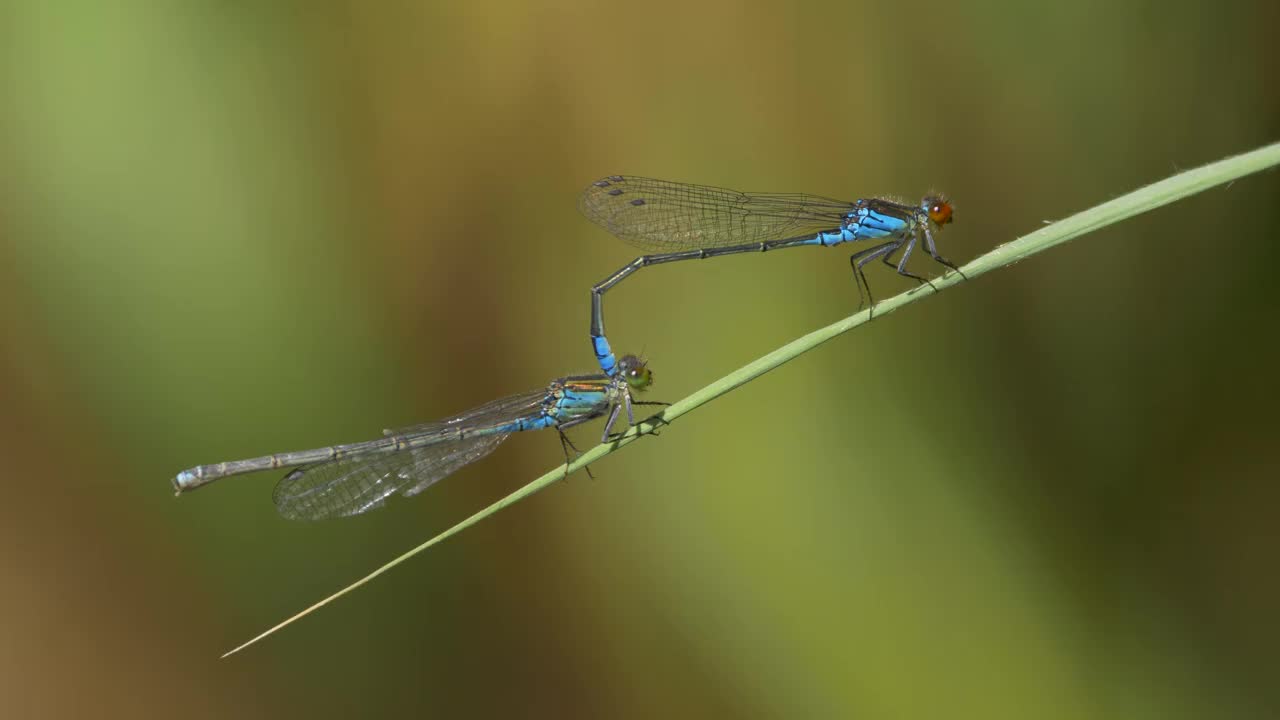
(432, 451)
(355, 485)
(666, 216)
(491, 413)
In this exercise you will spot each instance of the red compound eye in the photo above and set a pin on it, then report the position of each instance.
(940, 211)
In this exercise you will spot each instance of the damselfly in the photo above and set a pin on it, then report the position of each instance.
(351, 479)
(678, 221)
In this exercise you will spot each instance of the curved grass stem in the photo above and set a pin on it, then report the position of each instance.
(1139, 201)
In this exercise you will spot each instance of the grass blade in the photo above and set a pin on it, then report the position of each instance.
(1109, 213)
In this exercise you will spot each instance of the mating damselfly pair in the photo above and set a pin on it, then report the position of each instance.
(674, 221)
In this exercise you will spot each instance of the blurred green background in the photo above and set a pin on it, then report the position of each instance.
(237, 228)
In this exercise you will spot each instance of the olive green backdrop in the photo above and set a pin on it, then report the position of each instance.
(228, 229)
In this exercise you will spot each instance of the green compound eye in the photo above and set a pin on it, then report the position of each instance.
(636, 372)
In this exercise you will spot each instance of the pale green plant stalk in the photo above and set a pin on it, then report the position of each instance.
(1148, 198)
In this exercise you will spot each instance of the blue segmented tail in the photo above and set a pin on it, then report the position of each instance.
(604, 355)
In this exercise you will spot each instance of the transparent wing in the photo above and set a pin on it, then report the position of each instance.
(491, 413)
(665, 216)
(359, 483)
(355, 485)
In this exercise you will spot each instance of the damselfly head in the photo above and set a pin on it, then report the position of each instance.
(636, 372)
(938, 208)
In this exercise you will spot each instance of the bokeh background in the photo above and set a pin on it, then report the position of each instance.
(237, 228)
